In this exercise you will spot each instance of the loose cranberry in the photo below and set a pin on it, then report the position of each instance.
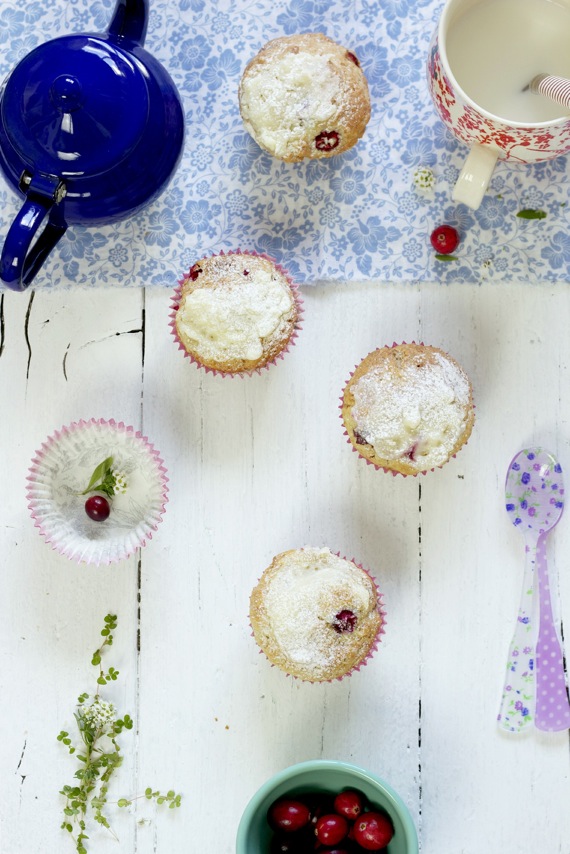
(195, 271)
(444, 239)
(331, 829)
(246, 272)
(352, 57)
(373, 831)
(288, 815)
(327, 140)
(345, 621)
(349, 804)
(97, 508)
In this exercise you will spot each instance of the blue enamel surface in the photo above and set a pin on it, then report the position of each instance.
(98, 112)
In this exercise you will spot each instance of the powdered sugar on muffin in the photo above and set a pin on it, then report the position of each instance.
(236, 312)
(408, 408)
(314, 614)
(304, 96)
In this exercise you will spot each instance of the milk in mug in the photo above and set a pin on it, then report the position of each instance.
(495, 48)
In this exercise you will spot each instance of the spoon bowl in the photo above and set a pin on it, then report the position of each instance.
(532, 491)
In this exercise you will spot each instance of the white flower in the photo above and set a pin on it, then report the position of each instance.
(424, 179)
(120, 482)
(99, 715)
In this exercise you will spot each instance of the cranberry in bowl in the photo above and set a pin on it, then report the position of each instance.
(340, 806)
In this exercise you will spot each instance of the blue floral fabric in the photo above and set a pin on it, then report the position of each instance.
(356, 216)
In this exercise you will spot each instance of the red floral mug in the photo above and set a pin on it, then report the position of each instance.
(482, 57)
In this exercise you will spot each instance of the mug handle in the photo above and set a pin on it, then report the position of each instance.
(20, 261)
(475, 176)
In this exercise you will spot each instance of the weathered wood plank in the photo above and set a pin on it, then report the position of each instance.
(481, 787)
(260, 465)
(65, 356)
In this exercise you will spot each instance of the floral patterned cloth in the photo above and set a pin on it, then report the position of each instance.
(357, 216)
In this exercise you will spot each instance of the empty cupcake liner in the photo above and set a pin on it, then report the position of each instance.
(372, 649)
(175, 304)
(393, 472)
(61, 469)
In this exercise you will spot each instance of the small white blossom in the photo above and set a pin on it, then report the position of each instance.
(120, 482)
(99, 715)
(424, 179)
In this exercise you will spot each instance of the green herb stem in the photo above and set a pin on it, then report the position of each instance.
(100, 755)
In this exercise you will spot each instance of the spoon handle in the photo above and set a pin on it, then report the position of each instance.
(517, 704)
(552, 706)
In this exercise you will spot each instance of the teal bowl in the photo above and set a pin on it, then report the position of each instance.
(327, 777)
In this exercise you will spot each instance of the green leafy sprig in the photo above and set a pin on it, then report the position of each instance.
(99, 755)
(106, 479)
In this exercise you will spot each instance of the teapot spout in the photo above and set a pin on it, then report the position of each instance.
(130, 20)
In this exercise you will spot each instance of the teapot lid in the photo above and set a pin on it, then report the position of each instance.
(75, 106)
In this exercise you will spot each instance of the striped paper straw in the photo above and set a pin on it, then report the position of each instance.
(555, 88)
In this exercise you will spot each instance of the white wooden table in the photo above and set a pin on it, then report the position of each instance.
(257, 466)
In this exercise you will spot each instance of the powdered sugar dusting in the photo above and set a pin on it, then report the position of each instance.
(299, 90)
(418, 413)
(303, 599)
(236, 304)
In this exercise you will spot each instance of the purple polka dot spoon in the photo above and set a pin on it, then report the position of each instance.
(535, 687)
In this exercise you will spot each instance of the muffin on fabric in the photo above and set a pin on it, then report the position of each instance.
(304, 96)
(235, 313)
(316, 615)
(408, 408)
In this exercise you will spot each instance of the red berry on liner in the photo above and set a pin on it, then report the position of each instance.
(97, 508)
(444, 239)
(107, 481)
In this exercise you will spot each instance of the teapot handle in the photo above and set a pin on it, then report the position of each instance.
(20, 261)
(130, 20)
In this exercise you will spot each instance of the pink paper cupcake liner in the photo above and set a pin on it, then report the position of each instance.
(372, 649)
(175, 304)
(374, 465)
(62, 468)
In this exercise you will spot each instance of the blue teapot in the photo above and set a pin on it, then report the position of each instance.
(91, 130)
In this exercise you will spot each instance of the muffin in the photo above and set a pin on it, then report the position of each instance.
(304, 96)
(235, 313)
(316, 615)
(408, 408)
